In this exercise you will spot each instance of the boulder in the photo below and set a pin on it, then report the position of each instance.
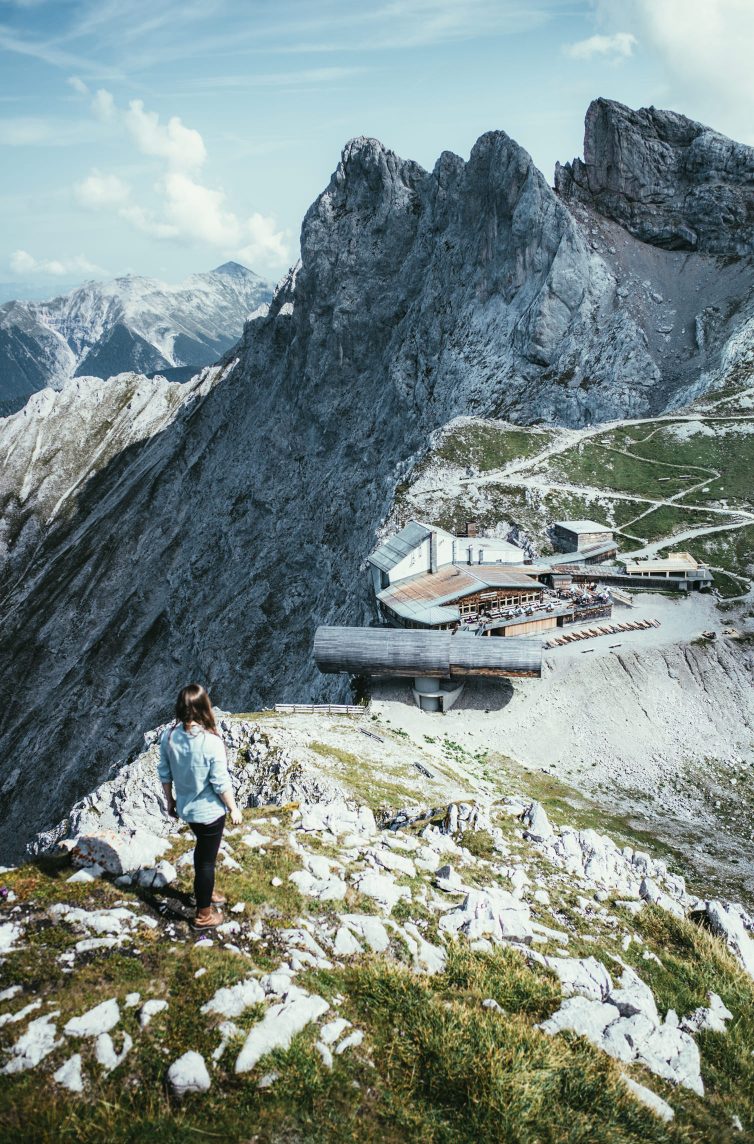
(492, 913)
(583, 1015)
(583, 975)
(189, 1074)
(157, 877)
(537, 823)
(232, 1000)
(69, 1074)
(118, 852)
(278, 1027)
(645, 1095)
(727, 921)
(101, 1019)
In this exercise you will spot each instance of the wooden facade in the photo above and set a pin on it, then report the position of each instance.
(528, 626)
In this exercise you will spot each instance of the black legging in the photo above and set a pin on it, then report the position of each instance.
(209, 835)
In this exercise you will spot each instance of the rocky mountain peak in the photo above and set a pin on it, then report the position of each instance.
(234, 270)
(670, 181)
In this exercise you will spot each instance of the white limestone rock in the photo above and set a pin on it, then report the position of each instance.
(634, 996)
(87, 874)
(369, 928)
(10, 933)
(333, 1029)
(350, 1042)
(101, 1019)
(652, 1101)
(20, 1014)
(395, 863)
(159, 876)
(583, 1015)
(118, 852)
(708, 1019)
(69, 1074)
(254, 839)
(727, 921)
(232, 1000)
(338, 818)
(36, 1043)
(537, 823)
(382, 888)
(278, 1027)
(428, 958)
(345, 944)
(189, 1074)
(492, 913)
(105, 1053)
(328, 889)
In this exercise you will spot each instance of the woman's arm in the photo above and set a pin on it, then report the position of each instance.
(230, 802)
(170, 799)
(165, 775)
(220, 782)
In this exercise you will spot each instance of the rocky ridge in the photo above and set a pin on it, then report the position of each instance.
(669, 181)
(473, 878)
(421, 296)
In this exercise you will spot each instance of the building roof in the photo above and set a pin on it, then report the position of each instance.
(396, 652)
(493, 548)
(581, 555)
(425, 597)
(397, 547)
(393, 550)
(673, 562)
(582, 526)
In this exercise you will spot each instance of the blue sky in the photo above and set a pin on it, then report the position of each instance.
(164, 136)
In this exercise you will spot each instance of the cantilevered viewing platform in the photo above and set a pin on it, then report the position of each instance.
(438, 661)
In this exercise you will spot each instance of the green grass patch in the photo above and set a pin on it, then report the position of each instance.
(486, 446)
(668, 520)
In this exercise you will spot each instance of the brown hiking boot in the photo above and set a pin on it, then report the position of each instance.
(218, 899)
(207, 919)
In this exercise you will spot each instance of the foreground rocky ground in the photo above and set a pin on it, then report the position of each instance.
(410, 952)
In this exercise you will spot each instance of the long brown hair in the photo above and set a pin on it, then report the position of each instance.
(193, 706)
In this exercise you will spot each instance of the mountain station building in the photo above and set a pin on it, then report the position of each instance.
(424, 577)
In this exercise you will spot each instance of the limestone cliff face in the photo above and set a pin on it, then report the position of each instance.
(670, 181)
(214, 545)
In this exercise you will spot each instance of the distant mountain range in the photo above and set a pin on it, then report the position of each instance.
(131, 323)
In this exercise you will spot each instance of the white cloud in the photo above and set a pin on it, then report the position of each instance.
(618, 46)
(183, 147)
(103, 105)
(704, 49)
(39, 131)
(99, 190)
(21, 262)
(186, 209)
(78, 85)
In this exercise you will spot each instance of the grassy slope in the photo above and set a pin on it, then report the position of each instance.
(435, 1065)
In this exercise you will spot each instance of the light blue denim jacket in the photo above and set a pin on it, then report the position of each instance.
(195, 762)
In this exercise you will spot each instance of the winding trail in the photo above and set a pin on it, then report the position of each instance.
(523, 473)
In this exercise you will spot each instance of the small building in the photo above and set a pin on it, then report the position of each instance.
(590, 554)
(574, 535)
(674, 566)
(423, 548)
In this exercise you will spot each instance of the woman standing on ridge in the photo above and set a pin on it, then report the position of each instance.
(192, 759)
